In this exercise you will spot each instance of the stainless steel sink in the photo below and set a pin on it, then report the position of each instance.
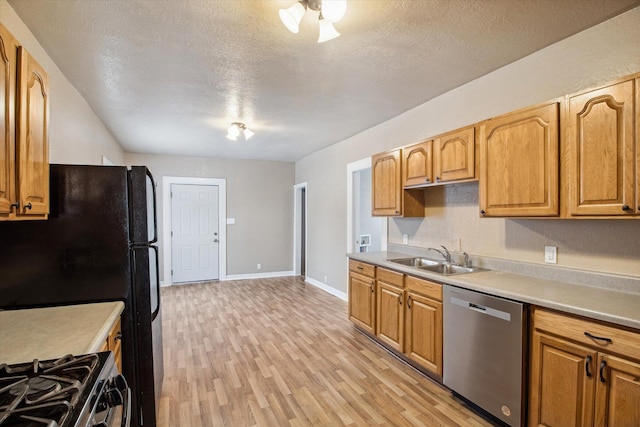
(443, 268)
(451, 269)
(415, 262)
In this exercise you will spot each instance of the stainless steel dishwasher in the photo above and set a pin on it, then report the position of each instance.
(484, 350)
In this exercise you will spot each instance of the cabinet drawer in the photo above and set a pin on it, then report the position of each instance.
(424, 287)
(390, 277)
(362, 268)
(623, 341)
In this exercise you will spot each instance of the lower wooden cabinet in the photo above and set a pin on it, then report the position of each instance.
(423, 343)
(362, 295)
(113, 343)
(390, 308)
(583, 373)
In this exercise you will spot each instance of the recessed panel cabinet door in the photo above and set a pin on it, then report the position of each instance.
(32, 136)
(617, 392)
(387, 191)
(562, 383)
(454, 156)
(417, 168)
(390, 315)
(362, 301)
(8, 58)
(519, 163)
(423, 342)
(602, 160)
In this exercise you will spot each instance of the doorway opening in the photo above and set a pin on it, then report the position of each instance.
(365, 233)
(199, 213)
(300, 230)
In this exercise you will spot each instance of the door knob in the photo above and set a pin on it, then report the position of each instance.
(215, 240)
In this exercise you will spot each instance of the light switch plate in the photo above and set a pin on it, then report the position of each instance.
(405, 239)
(231, 221)
(551, 254)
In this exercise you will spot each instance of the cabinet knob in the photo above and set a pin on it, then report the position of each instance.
(118, 336)
(483, 212)
(28, 206)
(427, 180)
(437, 178)
(397, 212)
(626, 208)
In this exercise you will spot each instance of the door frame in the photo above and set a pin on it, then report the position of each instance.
(167, 181)
(296, 234)
(351, 168)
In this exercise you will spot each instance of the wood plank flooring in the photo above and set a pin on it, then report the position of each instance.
(279, 352)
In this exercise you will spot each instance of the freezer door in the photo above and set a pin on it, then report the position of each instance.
(152, 215)
(142, 207)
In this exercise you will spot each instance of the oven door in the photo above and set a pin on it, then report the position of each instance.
(113, 409)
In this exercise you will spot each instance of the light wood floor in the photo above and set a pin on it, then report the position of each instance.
(279, 352)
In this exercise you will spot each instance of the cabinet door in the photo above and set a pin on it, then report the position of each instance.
(8, 65)
(562, 383)
(417, 164)
(638, 146)
(390, 315)
(32, 136)
(362, 301)
(454, 156)
(617, 392)
(601, 151)
(423, 342)
(387, 191)
(519, 163)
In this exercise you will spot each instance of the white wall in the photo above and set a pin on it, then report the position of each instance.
(601, 53)
(76, 134)
(259, 197)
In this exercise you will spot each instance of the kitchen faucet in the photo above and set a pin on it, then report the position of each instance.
(445, 254)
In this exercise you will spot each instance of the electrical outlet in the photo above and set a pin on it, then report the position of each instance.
(551, 254)
(405, 239)
(325, 279)
(259, 266)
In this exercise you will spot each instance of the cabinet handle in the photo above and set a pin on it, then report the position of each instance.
(400, 299)
(483, 212)
(409, 302)
(118, 336)
(15, 205)
(397, 212)
(372, 287)
(28, 206)
(427, 179)
(360, 268)
(626, 208)
(603, 365)
(593, 337)
(586, 366)
(437, 178)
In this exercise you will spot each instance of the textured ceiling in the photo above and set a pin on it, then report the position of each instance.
(170, 76)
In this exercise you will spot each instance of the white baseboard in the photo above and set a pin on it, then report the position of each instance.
(326, 288)
(258, 275)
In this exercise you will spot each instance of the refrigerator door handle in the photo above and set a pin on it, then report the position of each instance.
(155, 213)
(154, 314)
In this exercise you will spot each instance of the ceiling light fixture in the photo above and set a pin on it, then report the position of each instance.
(234, 131)
(331, 11)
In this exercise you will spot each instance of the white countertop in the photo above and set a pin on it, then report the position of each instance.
(52, 332)
(613, 306)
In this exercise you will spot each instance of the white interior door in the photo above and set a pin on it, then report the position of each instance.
(194, 233)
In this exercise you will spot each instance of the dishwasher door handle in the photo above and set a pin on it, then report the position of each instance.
(493, 312)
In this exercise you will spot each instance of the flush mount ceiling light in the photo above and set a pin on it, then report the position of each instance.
(331, 11)
(234, 131)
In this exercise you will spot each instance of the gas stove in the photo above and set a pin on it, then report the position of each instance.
(73, 391)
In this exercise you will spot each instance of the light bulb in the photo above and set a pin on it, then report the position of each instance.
(334, 10)
(233, 132)
(292, 16)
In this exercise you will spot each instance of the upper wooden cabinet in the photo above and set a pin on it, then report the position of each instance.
(449, 157)
(602, 172)
(417, 164)
(24, 140)
(519, 174)
(454, 155)
(388, 196)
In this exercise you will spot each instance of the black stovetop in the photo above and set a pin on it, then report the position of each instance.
(47, 393)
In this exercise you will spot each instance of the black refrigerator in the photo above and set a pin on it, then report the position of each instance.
(97, 245)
